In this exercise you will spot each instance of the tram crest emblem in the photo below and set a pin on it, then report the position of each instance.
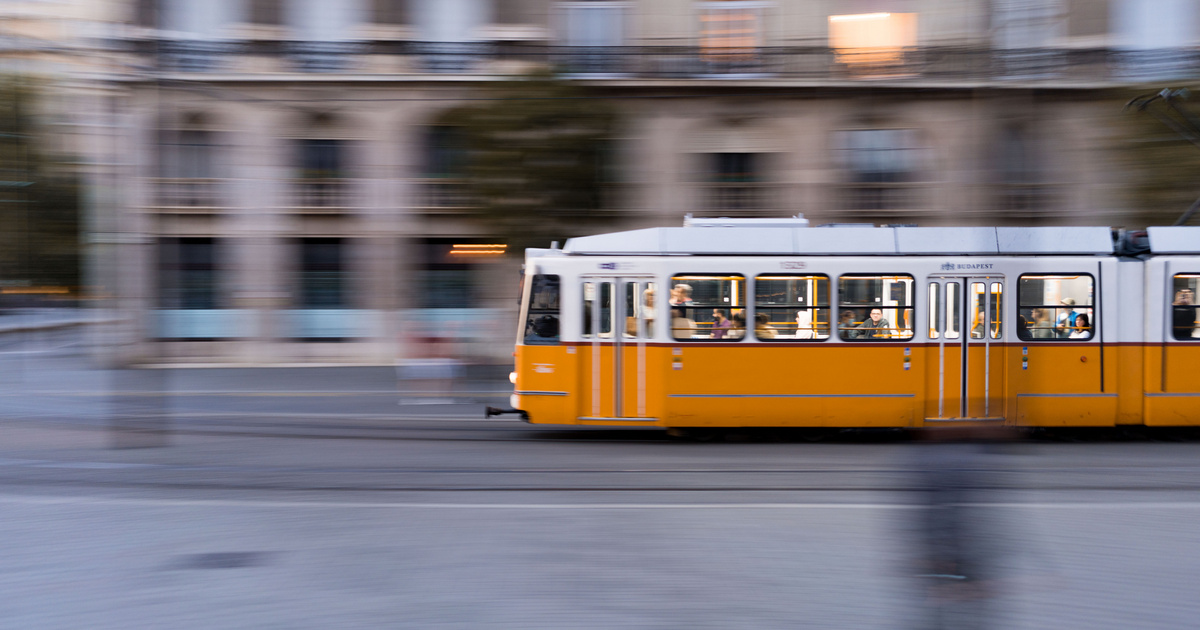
(947, 266)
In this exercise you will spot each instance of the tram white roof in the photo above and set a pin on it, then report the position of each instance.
(843, 240)
(1174, 240)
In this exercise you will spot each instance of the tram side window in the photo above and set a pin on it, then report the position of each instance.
(1055, 306)
(881, 307)
(1184, 316)
(708, 307)
(541, 324)
(794, 307)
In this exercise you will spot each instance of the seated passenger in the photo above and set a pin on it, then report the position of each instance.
(1023, 328)
(763, 328)
(876, 326)
(682, 327)
(846, 326)
(1083, 329)
(721, 326)
(804, 327)
(737, 329)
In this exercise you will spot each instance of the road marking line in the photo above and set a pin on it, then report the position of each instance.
(102, 501)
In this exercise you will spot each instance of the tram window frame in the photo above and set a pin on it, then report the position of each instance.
(731, 304)
(906, 312)
(1026, 306)
(1191, 283)
(818, 329)
(545, 299)
(598, 293)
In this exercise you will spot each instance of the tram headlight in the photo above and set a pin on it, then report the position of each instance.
(512, 378)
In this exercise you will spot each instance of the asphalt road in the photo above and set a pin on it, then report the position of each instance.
(281, 513)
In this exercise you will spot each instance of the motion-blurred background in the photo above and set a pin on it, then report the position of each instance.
(352, 182)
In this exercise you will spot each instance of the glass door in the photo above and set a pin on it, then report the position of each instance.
(619, 320)
(967, 327)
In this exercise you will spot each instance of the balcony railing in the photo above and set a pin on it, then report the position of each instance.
(812, 63)
(443, 195)
(321, 194)
(736, 198)
(189, 193)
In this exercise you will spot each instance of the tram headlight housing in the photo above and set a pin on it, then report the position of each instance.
(512, 378)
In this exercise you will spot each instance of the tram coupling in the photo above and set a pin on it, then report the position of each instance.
(496, 411)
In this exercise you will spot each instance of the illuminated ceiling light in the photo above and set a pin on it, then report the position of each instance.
(477, 249)
(859, 16)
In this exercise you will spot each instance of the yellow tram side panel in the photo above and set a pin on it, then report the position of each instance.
(551, 372)
(1059, 385)
(593, 397)
(826, 385)
(1172, 384)
(1125, 376)
(942, 371)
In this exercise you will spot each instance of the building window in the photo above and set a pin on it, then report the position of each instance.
(872, 43)
(186, 169)
(147, 13)
(187, 273)
(392, 12)
(730, 35)
(445, 168)
(882, 166)
(447, 278)
(322, 273)
(268, 12)
(735, 182)
(592, 33)
(1021, 188)
(322, 181)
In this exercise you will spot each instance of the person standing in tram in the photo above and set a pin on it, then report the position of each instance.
(1183, 314)
(1041, 328)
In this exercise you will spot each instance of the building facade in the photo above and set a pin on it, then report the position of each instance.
(279, 188)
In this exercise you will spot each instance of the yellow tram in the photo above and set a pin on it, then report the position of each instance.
(771, 322)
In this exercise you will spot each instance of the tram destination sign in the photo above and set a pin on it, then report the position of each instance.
(952, 266)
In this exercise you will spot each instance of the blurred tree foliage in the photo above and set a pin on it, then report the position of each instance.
(537, 159)
(39, 198)
(1164, 166)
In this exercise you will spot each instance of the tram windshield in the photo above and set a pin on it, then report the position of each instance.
(541, 323)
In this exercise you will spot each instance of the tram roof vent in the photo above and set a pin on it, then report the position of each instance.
(789, 222)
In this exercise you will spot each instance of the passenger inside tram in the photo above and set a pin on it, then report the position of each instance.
(763, 328)
(737, 328)
(875, 325)
(1082, 328)
(846, 325)
(1183, 314)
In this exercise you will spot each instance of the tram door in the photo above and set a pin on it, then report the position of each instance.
(967, 330)
(618, 322)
